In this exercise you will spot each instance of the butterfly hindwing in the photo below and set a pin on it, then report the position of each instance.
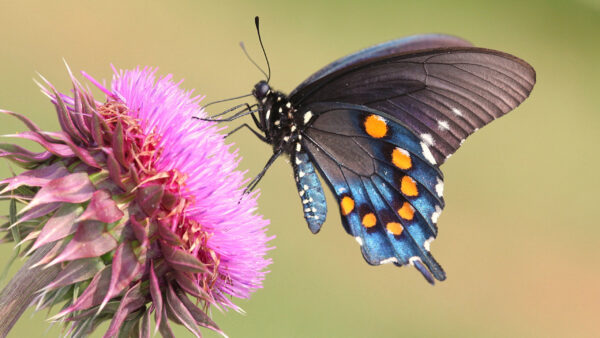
(386, 187)
(443, 95)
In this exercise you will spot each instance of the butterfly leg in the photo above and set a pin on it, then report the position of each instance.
(262, 173)
(243, 112)
(257, 134)
(258, 125)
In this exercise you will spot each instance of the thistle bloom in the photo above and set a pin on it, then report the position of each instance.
(139, 205)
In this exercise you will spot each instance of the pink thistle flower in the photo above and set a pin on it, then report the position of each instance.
(140, 207)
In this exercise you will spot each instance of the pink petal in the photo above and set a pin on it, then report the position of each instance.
(76, 271)
(74, 188)
(125, 267)
(176, 308)
(37, 177)
(146, 326)
(38, 212)
(199, 316)
(133, 300)
(148, 198)
(181, 260)
(90, 240)
(54, 147)
(20, 154)
(92, 295)
(60, 225)
(156, 294)
(102, 208)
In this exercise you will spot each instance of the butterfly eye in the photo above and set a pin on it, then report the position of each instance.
(261, 89)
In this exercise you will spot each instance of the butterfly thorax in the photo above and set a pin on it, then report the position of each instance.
(278, 119)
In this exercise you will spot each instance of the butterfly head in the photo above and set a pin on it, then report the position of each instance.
(261, 90)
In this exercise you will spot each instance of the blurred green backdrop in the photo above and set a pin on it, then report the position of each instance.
(519, 235)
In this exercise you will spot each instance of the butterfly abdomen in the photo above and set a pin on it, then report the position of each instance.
(310, 191)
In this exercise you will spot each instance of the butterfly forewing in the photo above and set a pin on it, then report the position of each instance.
(442, 95)
(403, 45)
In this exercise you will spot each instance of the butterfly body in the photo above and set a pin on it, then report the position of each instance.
(283, 125)
(377, 125)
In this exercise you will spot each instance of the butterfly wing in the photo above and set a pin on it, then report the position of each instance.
(443, 95)
(388, 189)
(403, 45)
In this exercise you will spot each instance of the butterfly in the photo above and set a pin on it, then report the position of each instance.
(377, 125)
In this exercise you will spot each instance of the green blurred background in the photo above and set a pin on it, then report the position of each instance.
(519, 235)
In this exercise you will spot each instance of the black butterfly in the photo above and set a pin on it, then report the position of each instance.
(377, 124)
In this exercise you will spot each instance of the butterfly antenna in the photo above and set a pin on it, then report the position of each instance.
(225, 100)
(263, 48)
(249, 58)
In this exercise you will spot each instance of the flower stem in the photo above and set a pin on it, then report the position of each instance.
(22, 288)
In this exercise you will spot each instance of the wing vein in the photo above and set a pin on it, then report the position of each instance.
(505, 71)
(409, 235)
(426, 127)
(468, 99)
(458, 138)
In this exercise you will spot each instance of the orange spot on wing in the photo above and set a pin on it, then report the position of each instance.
(376, 126)
(406, 211)
(408, 186)
(347, 205)
(369, 220)
(395, 228)
(401, 159)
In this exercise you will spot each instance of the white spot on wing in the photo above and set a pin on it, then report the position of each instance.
(298, 147)
(427, 138)
(456, 111)
(439, 187)
(268, 114)
(427, 243)
(389, 260)
(427, 153)
(443, 125)
(359, 240)
(288, 105)
(436, 214)
(298, 161)
(307, 116)
(302, 173)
